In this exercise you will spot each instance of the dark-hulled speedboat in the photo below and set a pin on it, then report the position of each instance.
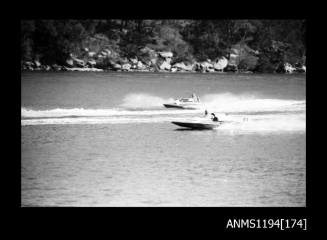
(198, 125)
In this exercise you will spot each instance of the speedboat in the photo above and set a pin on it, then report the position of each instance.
(202, 123)
(185, 103)
(198, 125)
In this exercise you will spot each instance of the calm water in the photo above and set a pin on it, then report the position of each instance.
(104, 139)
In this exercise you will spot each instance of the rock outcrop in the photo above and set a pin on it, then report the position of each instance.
(165, 66)
(240, 59)
(70, 62)
(205, 66)
(126, 67)
(220, 64)
(37, 63)
(289, 68)
(181, 67)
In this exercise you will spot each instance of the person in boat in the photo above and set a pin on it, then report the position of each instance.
(205, 113)
(195, 97)
(214, 118)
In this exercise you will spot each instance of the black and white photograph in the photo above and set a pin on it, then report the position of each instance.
(163, 112)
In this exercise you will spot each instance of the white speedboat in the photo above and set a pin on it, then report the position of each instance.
(185, 103)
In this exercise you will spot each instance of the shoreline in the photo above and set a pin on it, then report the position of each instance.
(146, 71)
(76, 69)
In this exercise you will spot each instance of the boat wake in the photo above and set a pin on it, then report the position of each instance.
(241, 113)
(228, 102)
(143, 101)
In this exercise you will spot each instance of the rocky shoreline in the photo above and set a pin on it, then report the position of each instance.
(149, 61)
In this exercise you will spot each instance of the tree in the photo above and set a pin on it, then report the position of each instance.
(276, 41)
(27, 44)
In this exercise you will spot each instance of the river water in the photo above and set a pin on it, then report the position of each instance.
(105, 139)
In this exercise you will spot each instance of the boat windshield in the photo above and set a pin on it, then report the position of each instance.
(186, 100)
(195, 97)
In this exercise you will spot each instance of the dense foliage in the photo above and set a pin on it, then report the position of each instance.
(262, 45)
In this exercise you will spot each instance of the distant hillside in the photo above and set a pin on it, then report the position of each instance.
(164, 45)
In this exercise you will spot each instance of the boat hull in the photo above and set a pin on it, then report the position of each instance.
(180, 106)
(199, 126)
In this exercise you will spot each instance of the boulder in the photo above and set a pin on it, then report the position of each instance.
(289, 68)
(95, 70)
(165, 66)
(166, 54)
(37, 63)
(77, 69)
(140, 65)
(126, 67)
(91, 54)
(28, 66)
(182, 67)
(179, 66)
(300, 68)
(304, 68)
(153, 61)
(79, 62)
(220, 64)
(206, 66)
(70, 62)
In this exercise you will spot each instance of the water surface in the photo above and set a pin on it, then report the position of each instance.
(104, 139)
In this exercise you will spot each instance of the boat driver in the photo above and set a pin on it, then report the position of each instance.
(214, 118)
